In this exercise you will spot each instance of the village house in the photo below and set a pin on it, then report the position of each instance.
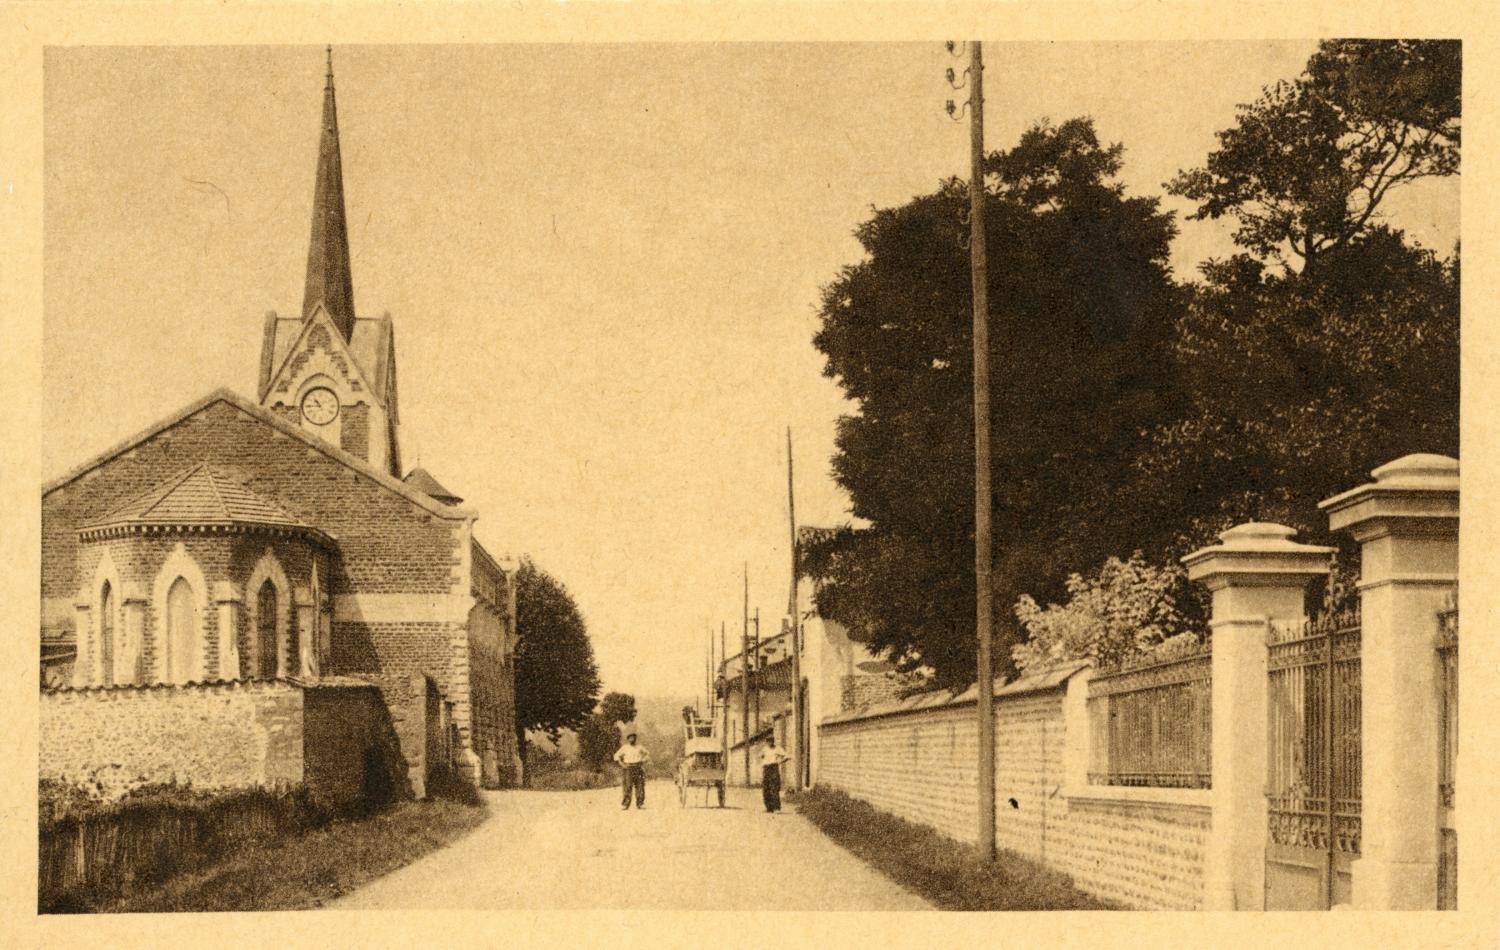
(251, 592)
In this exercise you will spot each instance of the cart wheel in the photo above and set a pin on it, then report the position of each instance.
(721, 794)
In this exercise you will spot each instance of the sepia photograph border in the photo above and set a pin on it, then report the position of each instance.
(26, 29)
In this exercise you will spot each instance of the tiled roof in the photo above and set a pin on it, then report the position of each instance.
(201, 495)
(422, 481)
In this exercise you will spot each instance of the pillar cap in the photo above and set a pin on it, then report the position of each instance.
(1421, 487)
(227, 592)
(1258, 552)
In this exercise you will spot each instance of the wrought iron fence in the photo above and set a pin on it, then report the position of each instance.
(1313, 783)
(1151, 722)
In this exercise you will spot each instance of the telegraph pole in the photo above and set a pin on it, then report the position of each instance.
(745, 676)
(983, 552)
(797, 711)
(756, 647)
(722, 668)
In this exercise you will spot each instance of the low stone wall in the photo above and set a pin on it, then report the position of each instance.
(333, 738)
(1141, 848)
(212, 736)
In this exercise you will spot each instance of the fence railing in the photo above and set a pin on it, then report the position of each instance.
(1151, 722)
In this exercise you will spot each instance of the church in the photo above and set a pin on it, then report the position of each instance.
(252, 592)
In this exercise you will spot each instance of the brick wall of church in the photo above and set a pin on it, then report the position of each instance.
(139, 560)
(387, 543)
(354, 432)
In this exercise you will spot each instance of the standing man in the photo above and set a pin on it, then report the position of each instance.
(632, 760)
(771, 758)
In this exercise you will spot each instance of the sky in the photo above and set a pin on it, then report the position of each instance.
(603, 263)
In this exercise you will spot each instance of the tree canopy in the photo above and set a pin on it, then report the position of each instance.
(557, 680)
(1131, 412)
(1083, 309)
(1308, 164)
(598, 737)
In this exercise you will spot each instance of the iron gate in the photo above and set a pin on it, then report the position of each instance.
(1313, 773)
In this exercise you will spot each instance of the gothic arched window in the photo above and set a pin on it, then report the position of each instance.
(182, 631)
(265, 633)
(107, 633)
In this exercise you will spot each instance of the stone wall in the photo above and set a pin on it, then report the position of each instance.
(349, 746)
(226, 735)
(334, 739)
(917, 759)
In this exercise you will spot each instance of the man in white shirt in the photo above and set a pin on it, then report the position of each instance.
(771, 758)
(632, 760)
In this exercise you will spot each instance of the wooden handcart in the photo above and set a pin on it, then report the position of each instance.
(702, 763)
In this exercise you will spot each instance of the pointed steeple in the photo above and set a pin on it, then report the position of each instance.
(328, 279)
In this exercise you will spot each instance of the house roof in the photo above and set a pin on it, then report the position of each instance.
(200, 496)
(422, 481)
(235, 400)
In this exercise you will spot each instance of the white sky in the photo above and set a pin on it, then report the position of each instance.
(603, 263)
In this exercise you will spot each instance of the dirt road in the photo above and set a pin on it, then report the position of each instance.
(571, 850)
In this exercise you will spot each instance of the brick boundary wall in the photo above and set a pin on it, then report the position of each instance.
(918, 762)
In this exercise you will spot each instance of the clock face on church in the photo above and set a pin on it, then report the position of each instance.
(320, 406)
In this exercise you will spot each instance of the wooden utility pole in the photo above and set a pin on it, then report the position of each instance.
(724, 726)
(745, 676)
(797, 712)
(983, 552)
(755, 645)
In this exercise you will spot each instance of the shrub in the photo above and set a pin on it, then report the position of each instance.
(1127, 607)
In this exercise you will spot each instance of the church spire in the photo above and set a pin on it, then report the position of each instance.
(328, 280)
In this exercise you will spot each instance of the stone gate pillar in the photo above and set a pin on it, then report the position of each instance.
(1406, 522)
(1256, 573)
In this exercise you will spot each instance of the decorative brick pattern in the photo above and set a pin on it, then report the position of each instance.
(921, 765)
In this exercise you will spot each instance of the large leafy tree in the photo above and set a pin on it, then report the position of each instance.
(557, 679)
(1307, 166)
(1300, 380)
(1082, 309)
(1298, 384)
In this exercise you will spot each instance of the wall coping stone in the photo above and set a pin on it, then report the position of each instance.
(1050, 679)
(1134, 794)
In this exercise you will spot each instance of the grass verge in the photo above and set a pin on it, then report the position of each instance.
(947, 872)
(310, 869)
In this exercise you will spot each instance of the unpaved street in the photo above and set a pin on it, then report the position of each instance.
(570, 850)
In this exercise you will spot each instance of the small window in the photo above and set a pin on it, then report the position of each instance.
(265, 634)
(182, 631)
(107, 633)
